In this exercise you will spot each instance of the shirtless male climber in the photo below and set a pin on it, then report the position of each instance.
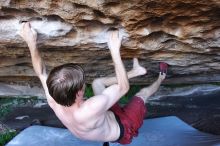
(98, 118)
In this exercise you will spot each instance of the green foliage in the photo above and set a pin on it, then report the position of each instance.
(6, 137)
(4, 110)
(7, 103)
(5, 106)
(133, 90)
(216, 83)
(89, 91)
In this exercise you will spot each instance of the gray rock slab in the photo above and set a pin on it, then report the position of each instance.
(48, 136)
(166, 131)
(21, 90)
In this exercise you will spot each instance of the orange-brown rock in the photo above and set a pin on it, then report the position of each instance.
(185, 34)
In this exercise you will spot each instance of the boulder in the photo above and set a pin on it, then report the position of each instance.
(184, 34)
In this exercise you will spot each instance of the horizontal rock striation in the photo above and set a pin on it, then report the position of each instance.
(184, 34)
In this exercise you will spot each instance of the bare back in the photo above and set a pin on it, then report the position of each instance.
(90, 119)
(86, 125)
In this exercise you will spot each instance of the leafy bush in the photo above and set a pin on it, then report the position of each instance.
(133, 90)
(6, 137)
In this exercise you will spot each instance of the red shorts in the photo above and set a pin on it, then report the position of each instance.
(131, 117)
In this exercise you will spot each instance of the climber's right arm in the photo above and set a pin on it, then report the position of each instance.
(30, 37)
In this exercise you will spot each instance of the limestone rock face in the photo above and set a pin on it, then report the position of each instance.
(184, 34)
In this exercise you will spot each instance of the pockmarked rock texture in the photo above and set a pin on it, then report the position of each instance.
(184, 34)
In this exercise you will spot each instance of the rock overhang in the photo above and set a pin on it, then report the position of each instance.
(185, 34)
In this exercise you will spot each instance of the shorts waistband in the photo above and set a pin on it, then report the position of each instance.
(120, 126)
